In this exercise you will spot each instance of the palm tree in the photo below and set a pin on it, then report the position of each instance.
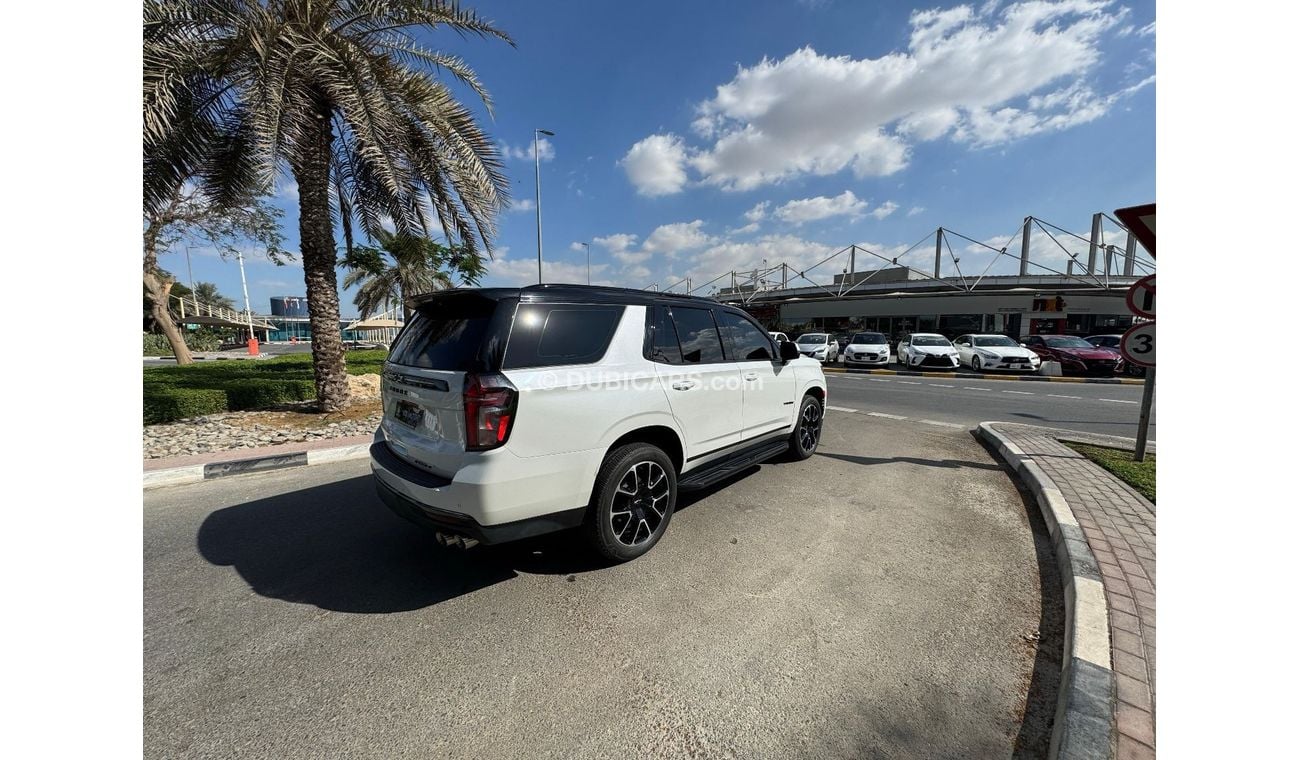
(418, 266)
(207, 293)
(342, 94)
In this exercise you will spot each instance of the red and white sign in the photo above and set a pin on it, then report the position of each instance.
(1139, 344)
(1141, 221)
(1141, 298)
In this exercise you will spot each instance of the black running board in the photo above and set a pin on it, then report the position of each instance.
(714, 472)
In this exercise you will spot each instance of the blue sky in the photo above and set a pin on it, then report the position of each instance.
(693, 138)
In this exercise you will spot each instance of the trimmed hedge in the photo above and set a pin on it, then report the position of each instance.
(174, 393)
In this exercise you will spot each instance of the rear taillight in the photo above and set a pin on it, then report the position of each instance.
(490, 402)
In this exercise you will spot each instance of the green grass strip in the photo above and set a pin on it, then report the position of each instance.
(1118, 462)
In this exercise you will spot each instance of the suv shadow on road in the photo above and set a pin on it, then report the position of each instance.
(337, 547)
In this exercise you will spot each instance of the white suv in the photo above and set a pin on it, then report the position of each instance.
(512, 412)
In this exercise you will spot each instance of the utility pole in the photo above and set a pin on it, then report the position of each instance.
(248, 311)
(588, 247)
(1144, 418)
(190, 269)
(537, 169)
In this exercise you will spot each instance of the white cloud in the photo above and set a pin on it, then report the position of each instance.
(525, 152)
(1147, 30)
(884, 209)
(668, 240)
(757, 213)
(288, 191)
(577, 248)
(822, 207)
(656, 165)
(619, 246)
(520, 205)
(672, 239)
(746, 229)
(505, 271)
(979, 77)
(913, 211)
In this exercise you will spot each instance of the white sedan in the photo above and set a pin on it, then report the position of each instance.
(981, 352)
(820, 346)
(921, 350)
(867, 348)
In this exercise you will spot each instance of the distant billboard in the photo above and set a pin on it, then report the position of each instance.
(289, 306)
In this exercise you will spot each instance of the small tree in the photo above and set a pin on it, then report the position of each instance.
(188, 214)
(404, 266)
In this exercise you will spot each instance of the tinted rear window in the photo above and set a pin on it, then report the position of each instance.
(548, 335)
(446, 334)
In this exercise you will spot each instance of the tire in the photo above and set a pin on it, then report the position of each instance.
(975, 363)
(810, 411)
(633, 466)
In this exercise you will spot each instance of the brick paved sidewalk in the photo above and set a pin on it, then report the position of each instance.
(1120, 526)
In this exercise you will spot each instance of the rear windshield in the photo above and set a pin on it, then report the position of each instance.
(445, 334)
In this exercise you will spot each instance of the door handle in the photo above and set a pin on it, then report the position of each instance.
(684, 385)
(751, 375)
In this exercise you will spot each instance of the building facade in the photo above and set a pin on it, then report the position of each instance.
(897, 303)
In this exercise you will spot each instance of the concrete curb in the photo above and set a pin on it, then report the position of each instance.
(232, 464)
(986, 376)
(1084, 726)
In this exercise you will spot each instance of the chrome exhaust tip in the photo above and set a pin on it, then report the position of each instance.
(454, 541)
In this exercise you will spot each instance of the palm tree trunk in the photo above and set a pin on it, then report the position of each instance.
(316, 240)
(158, 290)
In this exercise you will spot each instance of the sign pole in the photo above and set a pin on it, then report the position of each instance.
(1148, 393)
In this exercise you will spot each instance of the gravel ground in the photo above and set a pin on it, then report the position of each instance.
(231, 431)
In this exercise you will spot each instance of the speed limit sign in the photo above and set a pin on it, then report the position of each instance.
(1139, 344)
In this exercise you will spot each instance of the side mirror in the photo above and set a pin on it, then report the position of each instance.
(789, 351)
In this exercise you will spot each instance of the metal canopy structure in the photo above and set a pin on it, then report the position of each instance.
(1047, 255)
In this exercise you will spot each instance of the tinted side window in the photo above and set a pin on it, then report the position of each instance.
(698, 335)
(548, 335)
(663, 338)
(747, 343)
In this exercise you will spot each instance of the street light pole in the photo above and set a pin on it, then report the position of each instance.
(190, 269)
(588, 247)
(248, 312)
(537, 169)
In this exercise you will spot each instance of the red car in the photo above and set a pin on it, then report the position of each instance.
(1076, 354)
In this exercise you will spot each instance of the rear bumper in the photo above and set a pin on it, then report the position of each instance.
(501, 497)
(463, 525)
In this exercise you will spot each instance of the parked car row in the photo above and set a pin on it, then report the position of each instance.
(1098, 355)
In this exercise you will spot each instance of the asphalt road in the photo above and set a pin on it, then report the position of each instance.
(893, 596)
(1094, 408)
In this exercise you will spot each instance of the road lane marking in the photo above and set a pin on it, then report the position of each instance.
(909, 382)
(1117, 400)
(877, 380)
(840, 408)
(941, 424)
(1057, 395)
(941, 385)
(886, 416)
(1019, 393)
(969, 388)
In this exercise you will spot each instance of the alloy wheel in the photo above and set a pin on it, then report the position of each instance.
(640, 503)
(810, 426)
